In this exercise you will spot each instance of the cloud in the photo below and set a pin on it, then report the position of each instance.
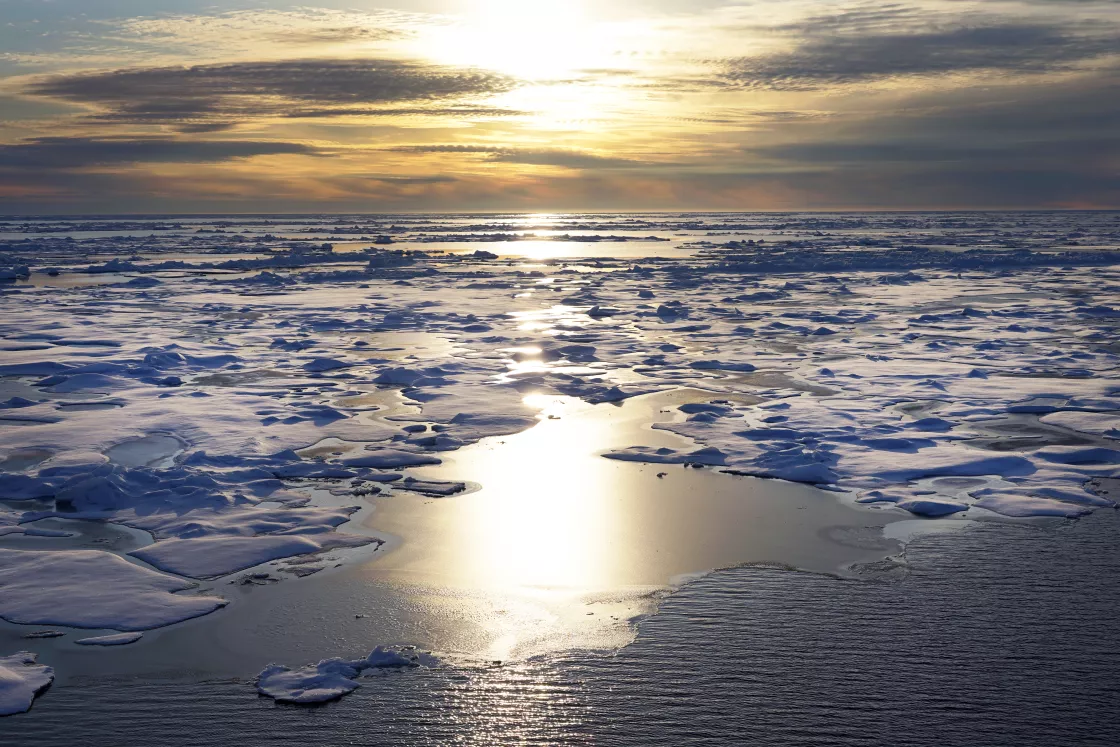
(243, 90)
(434, 179)
(63, 34)
(237, 30)
(563, 158)
(460, 112)
(926, 107)
(1013, 145)
(335, 35)
(568, 159)
(1072, 122)
(834, 52)
(205, 127)
(78, 152)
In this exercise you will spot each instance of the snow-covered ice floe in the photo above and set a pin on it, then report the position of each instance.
(22, 679)
(93, 589)
(239, 400)
(331, 679)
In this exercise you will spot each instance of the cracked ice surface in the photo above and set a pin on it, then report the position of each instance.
(196, 386)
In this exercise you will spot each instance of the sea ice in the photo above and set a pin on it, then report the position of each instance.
(213, 557)
(1019, 505)
(93, 589)
(22, 680)
(853, 352)
(331, 679)
(379, 457)
(117, 639)
(1102, 423)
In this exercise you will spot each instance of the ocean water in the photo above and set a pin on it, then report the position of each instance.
(998, 635)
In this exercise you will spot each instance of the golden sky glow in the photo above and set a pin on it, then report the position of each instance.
(554, 105)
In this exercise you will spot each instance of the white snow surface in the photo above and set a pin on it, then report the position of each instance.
(93, 589)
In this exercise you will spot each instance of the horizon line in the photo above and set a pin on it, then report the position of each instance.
(304, 214)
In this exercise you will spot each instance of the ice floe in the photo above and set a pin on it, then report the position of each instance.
(331, 679)
(213, 557)
(93, 589)
(115, 639)
(22, 680)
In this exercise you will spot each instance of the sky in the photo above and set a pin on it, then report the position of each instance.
(181, 106)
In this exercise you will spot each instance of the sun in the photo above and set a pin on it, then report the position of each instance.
(526, 39)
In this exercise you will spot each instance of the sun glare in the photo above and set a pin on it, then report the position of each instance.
(538, 40)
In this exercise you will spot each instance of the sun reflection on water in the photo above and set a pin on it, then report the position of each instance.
(559, 546)
(543, 525)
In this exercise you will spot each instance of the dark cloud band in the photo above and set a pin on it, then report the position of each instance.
(79, 152)
(253, 89)
(821, 59)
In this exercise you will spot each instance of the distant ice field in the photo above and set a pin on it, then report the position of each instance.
(230, 442)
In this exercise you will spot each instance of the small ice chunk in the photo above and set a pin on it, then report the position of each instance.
(143, 282)
(117, 639)
(322, 365)
(384, 458)
(433, 487)
(671, 310)
(599, 312)
(693, 408)
(21, 681)
(708, 457)
(932, 506)
(387, 658)
(714, 365)
(331, 679)
(15, 273)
